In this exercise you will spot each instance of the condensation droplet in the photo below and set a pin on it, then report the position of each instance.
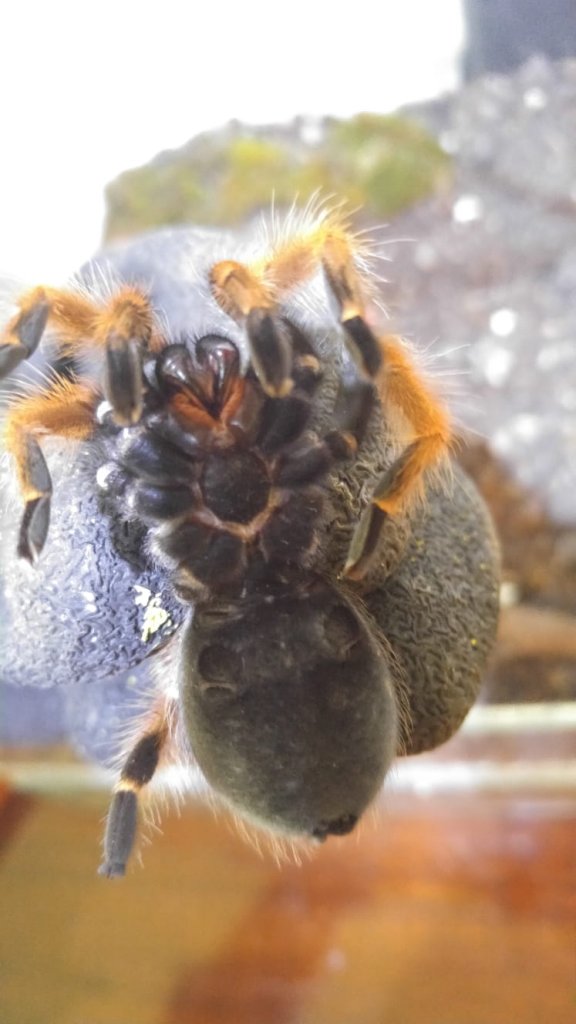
(498, 365)
(467, 209)
(503, 322)
(526, 426)
(535, 98)
(311, 131)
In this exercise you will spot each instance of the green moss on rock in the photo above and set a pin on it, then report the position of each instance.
(380, 163)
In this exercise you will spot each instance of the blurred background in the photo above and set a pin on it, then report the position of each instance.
(451, 128)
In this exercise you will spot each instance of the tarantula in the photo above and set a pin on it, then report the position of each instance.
(214, 431)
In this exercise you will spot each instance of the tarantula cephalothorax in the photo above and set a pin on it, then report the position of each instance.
(208, 433)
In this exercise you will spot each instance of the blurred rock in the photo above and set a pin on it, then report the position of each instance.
(490, 271)
(502, 34)
(535, 656)
(538, 554)
(227, 176)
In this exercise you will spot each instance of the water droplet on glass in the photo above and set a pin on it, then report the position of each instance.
(467, 209)
(535, 98)
(503, 322)
(497, 366)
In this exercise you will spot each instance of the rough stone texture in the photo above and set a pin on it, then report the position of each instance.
(502, 34)
(226, 176)
(80, 612)
(490, 270)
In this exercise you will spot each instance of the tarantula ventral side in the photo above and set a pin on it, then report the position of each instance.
(279, 459)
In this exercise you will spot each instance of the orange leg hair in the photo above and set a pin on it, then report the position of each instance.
(252, 295)
(122, 328)
(65, 409)
(401, 387)
(402, 390)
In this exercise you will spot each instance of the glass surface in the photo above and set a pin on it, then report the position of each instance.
(454, 900)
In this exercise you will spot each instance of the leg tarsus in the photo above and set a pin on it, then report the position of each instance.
(283, 421)
(394, 489)
(126, 326)
(313, 460)
(354, 406)
(404, 479)
(271, 350)
(27, 329)
(120, 833)
(123, 384)
(238, 290)
(36, 518)
(34, 528)
(245, 297)
(31, 324)
(365, 344)
(122, 820)
(10, 357)
(399, 477)
(305, 466)
(364, 543)
(35, 471)
(64, 409)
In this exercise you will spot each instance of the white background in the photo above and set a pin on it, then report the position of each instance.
(89, 90)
